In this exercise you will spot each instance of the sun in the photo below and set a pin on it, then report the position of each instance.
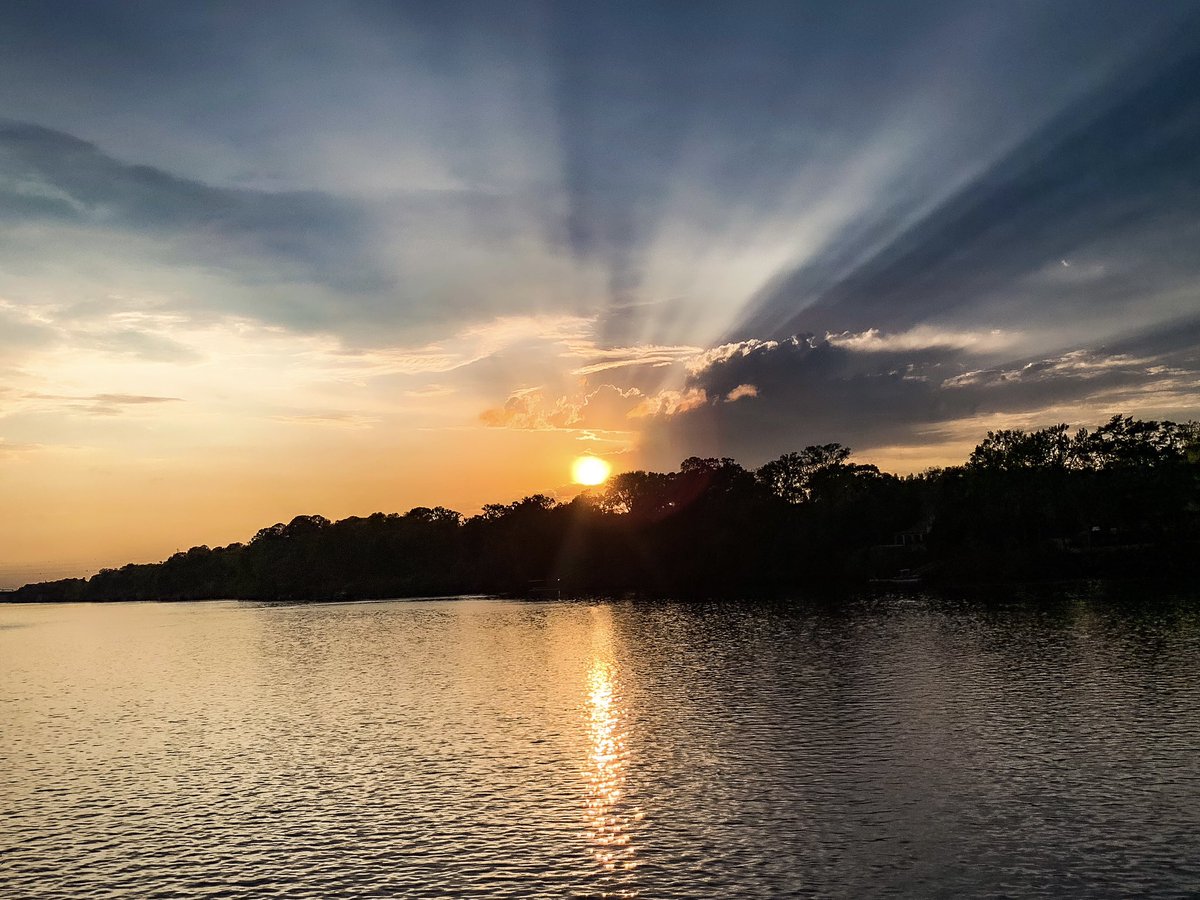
(589, 470)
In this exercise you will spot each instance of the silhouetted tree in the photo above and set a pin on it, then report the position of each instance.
(790, 476)
(1123, 497)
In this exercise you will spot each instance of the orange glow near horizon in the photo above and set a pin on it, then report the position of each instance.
(89, 508)
(590, 471)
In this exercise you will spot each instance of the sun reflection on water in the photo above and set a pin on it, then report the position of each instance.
(609, 818)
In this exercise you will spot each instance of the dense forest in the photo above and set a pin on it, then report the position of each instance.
(1123, 499)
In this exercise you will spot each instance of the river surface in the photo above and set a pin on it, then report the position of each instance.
(483, 748)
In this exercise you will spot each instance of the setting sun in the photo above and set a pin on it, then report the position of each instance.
(589, 470)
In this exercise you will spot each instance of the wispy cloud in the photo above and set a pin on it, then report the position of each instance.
(602, 409)
(93, 405)
(329, 420)
(12, 449)
(652, 355)
(671, 403)
(924, 337)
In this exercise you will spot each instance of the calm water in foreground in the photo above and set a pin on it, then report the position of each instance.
(486, 748)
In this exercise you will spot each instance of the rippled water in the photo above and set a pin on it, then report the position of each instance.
(502, 749)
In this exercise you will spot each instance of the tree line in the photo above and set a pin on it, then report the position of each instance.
(1122, 499)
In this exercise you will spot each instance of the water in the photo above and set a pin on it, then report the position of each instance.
(484, 748)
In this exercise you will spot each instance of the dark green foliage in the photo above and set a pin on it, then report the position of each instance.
(1121, 499)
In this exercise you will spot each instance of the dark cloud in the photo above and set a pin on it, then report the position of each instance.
(303, 259)
(53, 177)
(808, 390)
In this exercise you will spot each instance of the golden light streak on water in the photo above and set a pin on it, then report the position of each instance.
(608, 823)
(609, 814)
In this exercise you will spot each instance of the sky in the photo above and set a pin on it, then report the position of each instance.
(260, 260)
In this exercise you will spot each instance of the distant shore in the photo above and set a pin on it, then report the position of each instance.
(1119, 502)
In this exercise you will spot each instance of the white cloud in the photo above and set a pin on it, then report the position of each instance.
(708, 358)
(653, 355)
(603, 409)
(670, 403)
(925, 337)
(1077, 364)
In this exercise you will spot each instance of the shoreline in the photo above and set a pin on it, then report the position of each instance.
(831, 593)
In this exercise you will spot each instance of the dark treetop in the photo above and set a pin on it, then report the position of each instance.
(1123, 499)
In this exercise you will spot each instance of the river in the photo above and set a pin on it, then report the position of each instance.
(890, 746)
